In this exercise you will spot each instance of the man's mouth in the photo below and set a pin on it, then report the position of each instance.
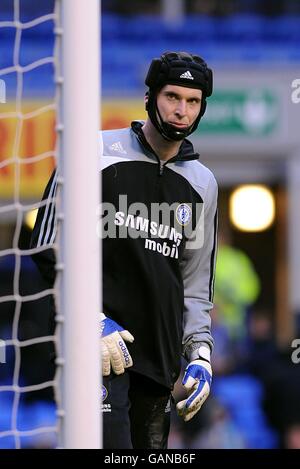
(179, 125)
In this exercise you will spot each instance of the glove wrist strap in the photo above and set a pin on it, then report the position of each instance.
(199, 351)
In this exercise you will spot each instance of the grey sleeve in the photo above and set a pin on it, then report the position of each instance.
(198, 270)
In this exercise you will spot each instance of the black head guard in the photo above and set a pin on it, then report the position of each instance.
(182, 69)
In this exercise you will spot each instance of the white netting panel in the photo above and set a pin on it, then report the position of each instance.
(22, 421)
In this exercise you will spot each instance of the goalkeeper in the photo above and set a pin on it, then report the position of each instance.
(157, 275)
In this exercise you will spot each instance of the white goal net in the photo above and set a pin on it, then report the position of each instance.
(36, 367)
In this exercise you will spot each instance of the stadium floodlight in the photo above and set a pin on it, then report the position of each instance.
(77, 290)
(252, 207)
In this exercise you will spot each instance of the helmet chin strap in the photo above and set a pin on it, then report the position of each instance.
(168, 131)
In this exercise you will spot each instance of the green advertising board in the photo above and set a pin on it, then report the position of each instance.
(241, 112)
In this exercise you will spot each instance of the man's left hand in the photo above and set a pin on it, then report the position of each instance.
(197, 381)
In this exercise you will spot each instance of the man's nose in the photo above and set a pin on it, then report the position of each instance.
(181, 108)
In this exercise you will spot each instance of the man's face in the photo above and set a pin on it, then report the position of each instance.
(179, 106)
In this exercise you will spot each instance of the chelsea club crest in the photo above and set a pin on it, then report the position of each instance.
(183, 214)
(104, 393)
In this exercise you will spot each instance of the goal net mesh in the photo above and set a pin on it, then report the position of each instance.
(29, 40)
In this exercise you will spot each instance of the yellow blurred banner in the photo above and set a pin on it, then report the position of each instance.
(26, 149)
(27, 143)
(117, 113)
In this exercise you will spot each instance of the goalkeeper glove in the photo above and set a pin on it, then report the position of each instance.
(115, 354)
(197, 382)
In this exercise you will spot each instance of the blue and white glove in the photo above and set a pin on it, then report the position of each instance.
(197, 382)
(115, 354)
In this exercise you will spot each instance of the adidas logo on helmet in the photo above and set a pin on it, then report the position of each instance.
(187, 75)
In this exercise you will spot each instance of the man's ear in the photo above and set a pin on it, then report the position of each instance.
(146, 100)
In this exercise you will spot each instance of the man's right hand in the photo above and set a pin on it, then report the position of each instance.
(115, 354)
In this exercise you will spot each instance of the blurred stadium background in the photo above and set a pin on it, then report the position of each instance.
(250, 135)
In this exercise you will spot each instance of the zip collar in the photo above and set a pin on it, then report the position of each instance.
(186, 150)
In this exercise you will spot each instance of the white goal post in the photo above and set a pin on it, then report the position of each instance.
(78, 280)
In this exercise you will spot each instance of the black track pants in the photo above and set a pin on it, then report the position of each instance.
(136, 412)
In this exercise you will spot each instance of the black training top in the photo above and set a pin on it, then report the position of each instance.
(159, 247)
